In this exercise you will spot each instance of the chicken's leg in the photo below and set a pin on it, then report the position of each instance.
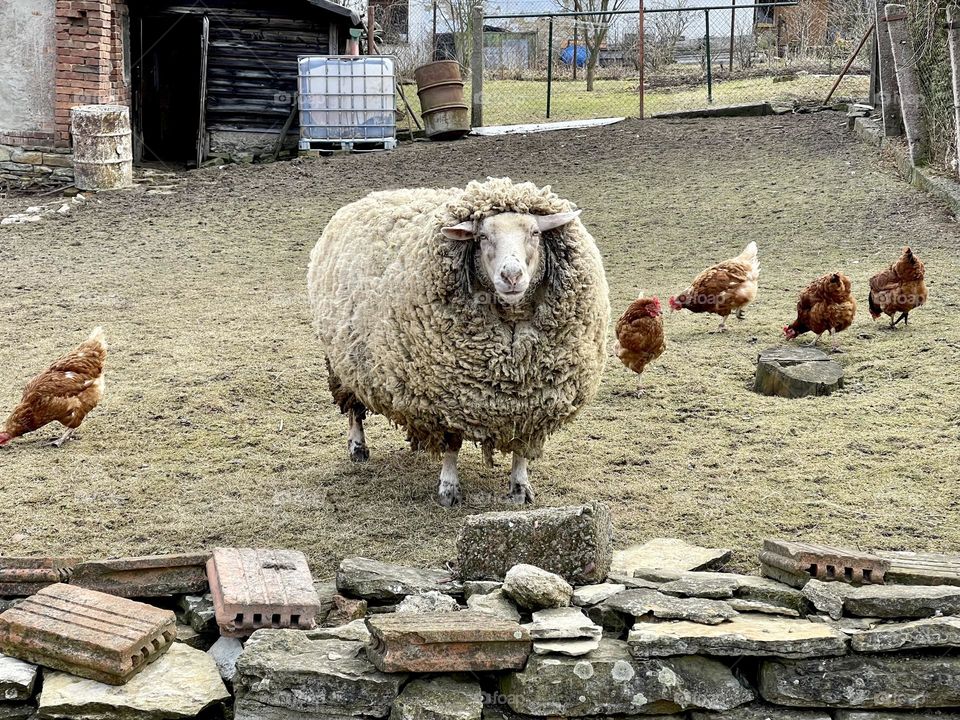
(903, 316)
(723, 325)
(814, 341)
(63, 438)
(740, 314)
(834, 347)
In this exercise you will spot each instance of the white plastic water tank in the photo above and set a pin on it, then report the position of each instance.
(346, 98)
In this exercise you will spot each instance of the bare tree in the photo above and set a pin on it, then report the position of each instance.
(596, 27)
(456, 17)
(665, 31)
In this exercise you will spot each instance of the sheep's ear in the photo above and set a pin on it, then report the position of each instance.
(463, 231)
(549, 222)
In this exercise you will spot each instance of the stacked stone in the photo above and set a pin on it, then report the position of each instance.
(539, 618)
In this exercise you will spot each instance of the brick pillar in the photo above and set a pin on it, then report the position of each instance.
(88, 51)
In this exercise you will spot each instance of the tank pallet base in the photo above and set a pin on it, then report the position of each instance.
(328, 147)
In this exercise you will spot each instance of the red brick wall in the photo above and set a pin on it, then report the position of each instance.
(89, 59)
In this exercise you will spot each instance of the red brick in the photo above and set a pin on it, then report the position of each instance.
(149, 576)
(446, 642)
(27, 575)
(255, 589)
(796, 563)
(86, 633)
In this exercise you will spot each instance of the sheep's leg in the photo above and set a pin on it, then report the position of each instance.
(521, 491)
(448, 491)
(63, 438)
(356, 440)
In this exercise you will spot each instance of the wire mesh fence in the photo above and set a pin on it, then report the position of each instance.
(932, 61)
(577, 59)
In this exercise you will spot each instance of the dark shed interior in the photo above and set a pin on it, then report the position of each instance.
(219, 78)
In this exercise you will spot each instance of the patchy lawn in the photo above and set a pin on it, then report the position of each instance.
(523, 101)
(218, 427)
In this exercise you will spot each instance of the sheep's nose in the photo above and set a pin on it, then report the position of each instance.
(512, 275)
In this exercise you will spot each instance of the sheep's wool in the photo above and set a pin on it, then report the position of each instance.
(410, 326)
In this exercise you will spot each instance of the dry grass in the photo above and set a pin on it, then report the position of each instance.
(202, 294)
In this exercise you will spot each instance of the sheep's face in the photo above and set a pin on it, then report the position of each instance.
(510, 248)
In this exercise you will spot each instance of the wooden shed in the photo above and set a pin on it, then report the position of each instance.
(218, 78)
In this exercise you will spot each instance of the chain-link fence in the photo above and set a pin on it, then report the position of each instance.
(932, 60)
(582, 57)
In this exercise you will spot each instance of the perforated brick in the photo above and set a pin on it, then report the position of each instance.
(796, 562)
(86, 633)
(254, 589)
(148, 576)
(26, 575)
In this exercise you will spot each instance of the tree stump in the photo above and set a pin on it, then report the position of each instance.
(793, 372)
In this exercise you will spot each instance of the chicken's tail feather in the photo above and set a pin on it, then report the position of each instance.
(98, 336)
(875, 309)
(749, 255)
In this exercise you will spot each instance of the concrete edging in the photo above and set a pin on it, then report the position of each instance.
(948, 191)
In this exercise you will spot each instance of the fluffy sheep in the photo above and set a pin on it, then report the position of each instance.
(475, 313)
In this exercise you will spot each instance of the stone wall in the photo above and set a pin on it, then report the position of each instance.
(560, 625)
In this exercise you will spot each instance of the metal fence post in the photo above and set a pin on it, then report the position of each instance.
(641, 51)
(733, 31)
(476, 67)
(706, 16)
(550, 63)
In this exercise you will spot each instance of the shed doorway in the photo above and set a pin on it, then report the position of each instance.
(169, 78)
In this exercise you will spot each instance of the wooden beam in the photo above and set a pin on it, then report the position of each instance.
(889, 94)
(953, 37)
(911, 101)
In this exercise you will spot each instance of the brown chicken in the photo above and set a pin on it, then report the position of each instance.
(898, 289)
(640, 334)
(826, 306)
(724, 288)
(65, 392)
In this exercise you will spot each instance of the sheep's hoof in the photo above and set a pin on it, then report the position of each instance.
(449, 496)
(358, 451)
(520, 495)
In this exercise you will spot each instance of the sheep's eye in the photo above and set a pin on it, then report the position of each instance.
(483, 237)
(536, 232)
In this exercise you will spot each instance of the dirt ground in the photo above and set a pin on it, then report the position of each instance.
(218, 427)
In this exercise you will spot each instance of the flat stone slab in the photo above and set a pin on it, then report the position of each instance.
(910, 568)
(795, 372)
(254, 589)
(17, 711)
(27, 575)
(286, 674)
(609, 681)
(825, 597)
(744, 635)
(535, 589)
(763, 711)
(933, 632)
(732, 586)
(495, 603)
(573, 648)
(863, 681)
(87, 633)
(894, 715)
(667, 554)
(355, 630)
(442, 698)
(574, 542)
(181, 684)
(901, 601)
(17, 679)
(650, 603)
(383, 582)
(446, 642)
(595, 594)
(149, 576)
(823, 562)
(566, 623)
